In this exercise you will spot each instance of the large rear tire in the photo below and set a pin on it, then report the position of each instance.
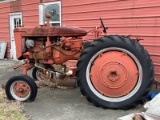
(115, 72)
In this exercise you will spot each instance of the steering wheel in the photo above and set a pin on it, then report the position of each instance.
(102, 25)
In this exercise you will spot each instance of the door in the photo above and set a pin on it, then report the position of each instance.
(15, 21)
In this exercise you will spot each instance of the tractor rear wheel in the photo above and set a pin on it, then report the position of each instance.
(115, 72)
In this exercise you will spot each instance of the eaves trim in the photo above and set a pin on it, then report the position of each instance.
(3, 1)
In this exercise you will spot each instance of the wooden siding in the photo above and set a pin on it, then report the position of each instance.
(125, 17)
(4, 25)
(30, 18)
(30, 12)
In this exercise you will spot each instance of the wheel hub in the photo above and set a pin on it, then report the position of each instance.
(114, 74)
(21, 89)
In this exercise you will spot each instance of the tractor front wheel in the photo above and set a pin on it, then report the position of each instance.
(115, 72)
(21, 88)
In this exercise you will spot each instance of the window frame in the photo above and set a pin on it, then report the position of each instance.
(41, 20)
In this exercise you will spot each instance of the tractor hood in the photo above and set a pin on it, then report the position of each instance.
(51, 31)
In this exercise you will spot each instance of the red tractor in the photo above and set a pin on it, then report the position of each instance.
(112, 71)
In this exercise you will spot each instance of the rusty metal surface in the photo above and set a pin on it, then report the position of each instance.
(64, 55)
(72, 65)
(57, 81)
(67, 82)
(52, 31)
(74, 44)
(21, 89)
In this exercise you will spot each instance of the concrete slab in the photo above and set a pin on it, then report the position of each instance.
(60, 104)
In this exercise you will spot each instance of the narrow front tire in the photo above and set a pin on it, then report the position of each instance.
(21, 88)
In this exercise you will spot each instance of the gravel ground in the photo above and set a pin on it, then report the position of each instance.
(60, 104)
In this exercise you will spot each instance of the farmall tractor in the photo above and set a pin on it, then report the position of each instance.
(112, 71)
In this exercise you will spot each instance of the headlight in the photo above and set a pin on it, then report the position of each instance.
(29, 43)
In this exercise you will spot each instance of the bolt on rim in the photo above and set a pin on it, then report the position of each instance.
(20, 90)
(109, 78)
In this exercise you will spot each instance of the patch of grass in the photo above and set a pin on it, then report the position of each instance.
(9, 114)
(10, 110)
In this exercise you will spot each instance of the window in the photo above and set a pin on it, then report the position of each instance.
(53, 8)
(17, 22)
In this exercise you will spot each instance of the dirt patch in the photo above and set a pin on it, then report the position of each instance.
(5, 64)
(10, 110)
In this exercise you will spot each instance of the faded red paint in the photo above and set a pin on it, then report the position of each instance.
(53, 31)
(21, 89)
(108, 74)
(125, 17)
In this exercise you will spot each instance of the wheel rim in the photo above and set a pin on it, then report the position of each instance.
(20, 90)
(114, 74)
(42, 74)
